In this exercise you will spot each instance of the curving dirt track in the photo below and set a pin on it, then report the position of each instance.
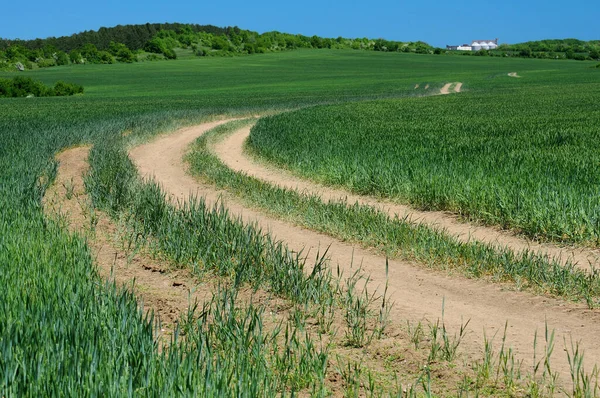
(230, 151)
(417, 293)
(166, 292)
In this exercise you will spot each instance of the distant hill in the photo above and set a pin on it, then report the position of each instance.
(149, 42)
(134, 37)
(159, 41)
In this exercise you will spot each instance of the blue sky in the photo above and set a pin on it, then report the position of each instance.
(436, 22)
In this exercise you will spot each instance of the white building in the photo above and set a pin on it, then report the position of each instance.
(464, 47)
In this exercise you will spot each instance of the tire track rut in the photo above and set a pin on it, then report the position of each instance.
(417, 292)
(230, 152)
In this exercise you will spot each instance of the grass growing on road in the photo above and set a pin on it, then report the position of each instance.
(525, 159)
(394, 236)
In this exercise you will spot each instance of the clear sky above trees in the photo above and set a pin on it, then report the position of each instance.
(434, 21)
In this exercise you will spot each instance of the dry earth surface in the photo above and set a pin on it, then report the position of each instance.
(450, 88)
(231, 152)
(160, 288)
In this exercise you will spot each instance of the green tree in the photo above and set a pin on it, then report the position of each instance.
(121, 52)
(61, 58)
(159, 46)
(525, 52)
(24, 86)
(316, 42)
(570, 54)
(5, 88)
(104, 57)
(221, 43)
(90, 53)
(14, 52)
(75, 57)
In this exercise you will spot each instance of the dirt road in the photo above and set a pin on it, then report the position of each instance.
(417, 293)
(166, 292)
(230, 151)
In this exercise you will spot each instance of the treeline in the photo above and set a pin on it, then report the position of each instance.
(563, 48)
(133, 37)
(547, 49)
(132, 43)
(556, 45)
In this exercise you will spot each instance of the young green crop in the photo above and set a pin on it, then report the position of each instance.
(393, 236)
(62, 330)
(524, 157)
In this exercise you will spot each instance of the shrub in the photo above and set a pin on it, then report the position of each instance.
(525, 52)
(104, 57)
(121, 52)
(61, 58)
(221, 43)
(5, 85)
(46, 63)
(75, 57)
(125, 55)
(154, 57)
(62, 89)
(160, 46)
(21, 86)
(170, 54)
(89, 52)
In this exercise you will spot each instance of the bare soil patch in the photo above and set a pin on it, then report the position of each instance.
(513, 74)
(450, 88)
(445, 89)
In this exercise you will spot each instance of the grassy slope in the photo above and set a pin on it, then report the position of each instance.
(49, 272)
(520, 153)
